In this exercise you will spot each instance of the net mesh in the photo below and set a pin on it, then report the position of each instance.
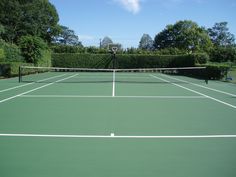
(88, 75)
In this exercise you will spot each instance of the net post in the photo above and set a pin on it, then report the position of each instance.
(19, 75)
(206, 76)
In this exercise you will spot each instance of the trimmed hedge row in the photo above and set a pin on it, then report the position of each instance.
(216, 71)
(77, 60)
(154, 61)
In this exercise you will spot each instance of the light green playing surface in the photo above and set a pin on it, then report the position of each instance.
(120, 128)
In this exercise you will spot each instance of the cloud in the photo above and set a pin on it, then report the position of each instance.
(132, 6)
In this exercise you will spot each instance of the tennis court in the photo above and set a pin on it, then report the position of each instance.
(121, 124)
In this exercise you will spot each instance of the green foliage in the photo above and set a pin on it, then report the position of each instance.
(60, 48)
(45, 59)
(184, 35)
(201, 58)
(10, 69)
(154, 61)
(223, 54)
(146, 42)
(11, 52)
(170, 51)
(76, 60)
(220, 35)
(2, 55)
(215, 71)
(67, 37)
(2, 30)
(32, 48)
(34, 17)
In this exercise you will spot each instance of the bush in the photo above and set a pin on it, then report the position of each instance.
(201, 58)
(10, 69)
(11, 52)
(216, 71)
(2, 55)
(32, 48)
(46, 58)
(223, 54)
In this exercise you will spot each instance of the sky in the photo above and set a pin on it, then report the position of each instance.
(125, 21)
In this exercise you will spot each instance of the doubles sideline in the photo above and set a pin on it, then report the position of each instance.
(12, 88)
(37, 88)
(191, 90)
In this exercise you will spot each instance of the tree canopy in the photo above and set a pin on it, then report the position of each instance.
(67, 37)
(32, 17)
(220, 35)
(146, 42)
(184, 35)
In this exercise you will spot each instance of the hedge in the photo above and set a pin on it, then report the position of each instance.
(76, 60)
(10, 52)
(11, 69)
(45, 59)
(216, 71)
(154, 61)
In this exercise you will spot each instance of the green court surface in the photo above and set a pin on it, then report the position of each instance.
(117, 125)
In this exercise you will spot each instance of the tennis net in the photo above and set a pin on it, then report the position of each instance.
(88, 75)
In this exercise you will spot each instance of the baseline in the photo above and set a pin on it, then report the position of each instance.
(112, 135)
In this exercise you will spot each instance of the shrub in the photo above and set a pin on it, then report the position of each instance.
(32, 48)
(11, 52)
(2, 55)
(216, 71)
(10, 69)
(45, 59)
(201, 58)
(223, 54)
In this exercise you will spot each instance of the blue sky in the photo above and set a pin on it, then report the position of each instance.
(125, 21)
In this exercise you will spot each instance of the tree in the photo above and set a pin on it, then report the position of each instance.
(32, 48)
(32, 17)
(106, 41)
(67, 37)
(2, 30)
(146, 42)
(220, 35)
(184, 35)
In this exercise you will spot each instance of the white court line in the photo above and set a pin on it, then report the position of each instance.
(97, 96)
(37, 88)
(12, 88)
(194, 91)
(219, 91)
(113, 136)
(113, 83)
